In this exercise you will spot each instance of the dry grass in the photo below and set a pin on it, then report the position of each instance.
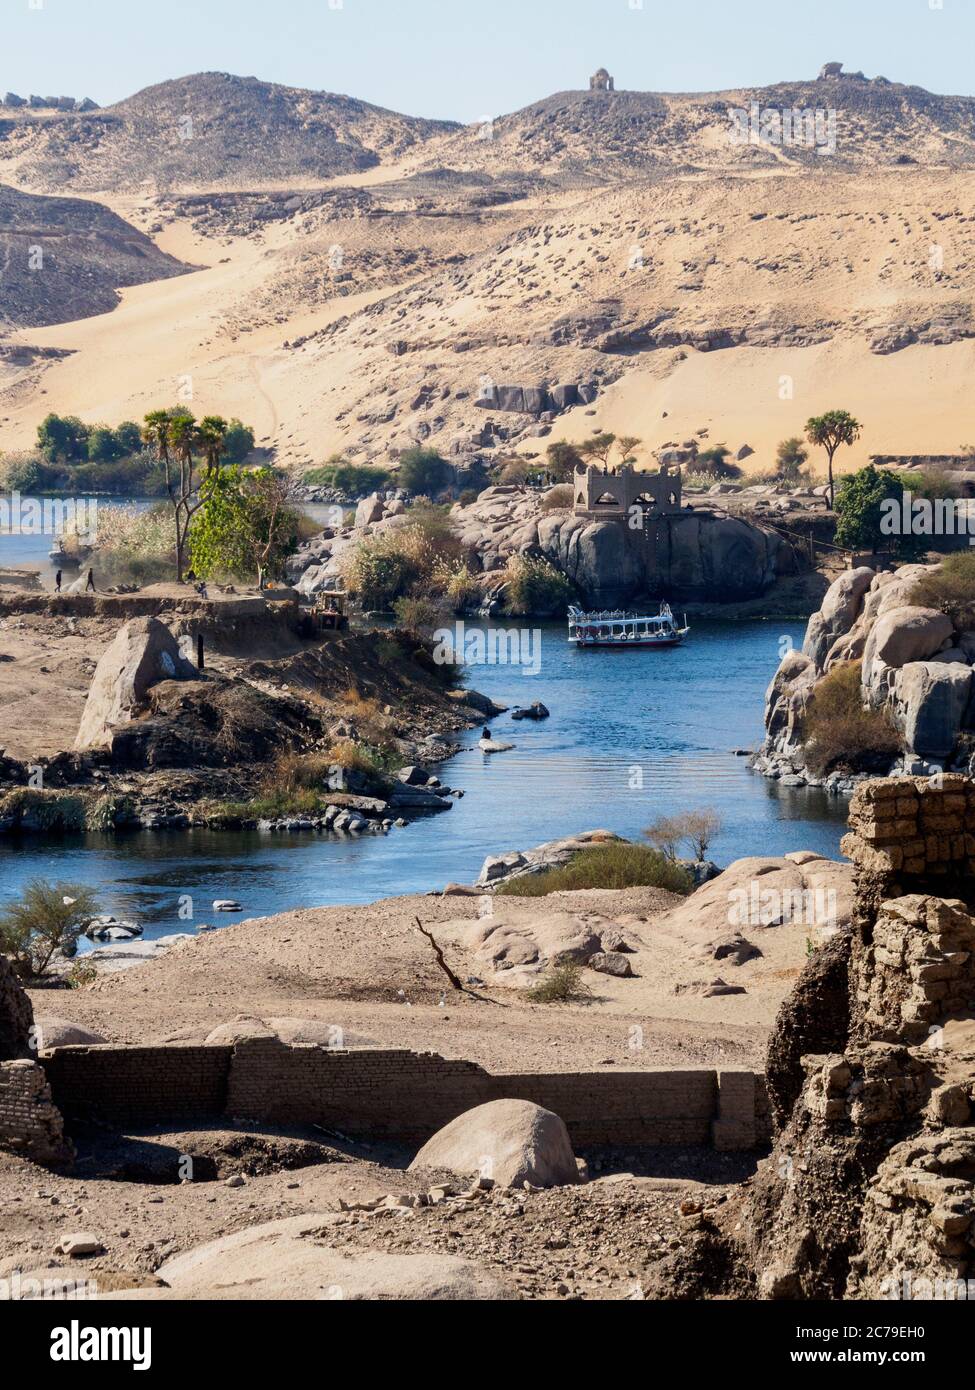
(843, 735)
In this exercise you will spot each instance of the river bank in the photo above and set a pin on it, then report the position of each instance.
(632, 736)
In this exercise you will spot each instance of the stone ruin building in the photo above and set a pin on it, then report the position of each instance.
(869, 1192)
(601, 82)
(605, 494)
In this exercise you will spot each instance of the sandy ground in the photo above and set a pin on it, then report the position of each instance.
(596, 1241)
(47, 662)
(366, 970)
(916, 400)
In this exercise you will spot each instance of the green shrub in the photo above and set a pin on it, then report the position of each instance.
(380, 570)
(417, 614)
(354, 479)
(790, 458)
(27, 473)
(534, 586)
(423, 472)
(45, 919)
(860, 505)
(561, 983)
(46, 810)
(714, 461)
(841, 734)
(950, 588)
(108, 812)
(613, 865)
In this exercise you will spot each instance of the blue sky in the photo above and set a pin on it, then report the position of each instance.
(466, 59)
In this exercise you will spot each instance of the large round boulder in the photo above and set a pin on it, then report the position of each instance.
(53, 1031)
(143, 653)
(930, 699)
(291, 1259)
(837, 613)
(510, 1142)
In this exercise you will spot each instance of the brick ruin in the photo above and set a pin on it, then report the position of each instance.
(396, 1094)
(30, 1123)
(870, 1188)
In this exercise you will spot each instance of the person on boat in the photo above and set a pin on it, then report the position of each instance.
(57, 582)
(90, 583)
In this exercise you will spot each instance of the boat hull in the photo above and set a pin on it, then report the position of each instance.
(607, 643)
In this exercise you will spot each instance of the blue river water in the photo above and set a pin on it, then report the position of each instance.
(633, 735)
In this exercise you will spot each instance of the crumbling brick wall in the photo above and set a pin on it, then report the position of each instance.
(397, 1094)
(912, 834)
(30, 1124)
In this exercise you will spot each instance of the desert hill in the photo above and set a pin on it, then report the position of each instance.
(603, 136)
(211, 129)
(64, 258)
(616, 242)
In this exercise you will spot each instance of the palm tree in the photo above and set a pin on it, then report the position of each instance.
(212, 437)
(829, 431)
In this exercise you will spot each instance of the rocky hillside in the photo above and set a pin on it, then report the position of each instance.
(66, 258)
(619, 245)
(601, 135)
(210, 129)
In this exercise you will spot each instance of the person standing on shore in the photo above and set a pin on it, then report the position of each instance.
(57, 582)
(90, 586)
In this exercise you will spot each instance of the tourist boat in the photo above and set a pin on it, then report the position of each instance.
(621, 629)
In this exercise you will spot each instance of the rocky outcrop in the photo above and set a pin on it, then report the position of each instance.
(553, 854)
(507, 1142)
(144, 652)
(693, 555)
(914, 663)
(290, 1259)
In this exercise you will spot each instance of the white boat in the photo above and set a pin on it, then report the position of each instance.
(622, 629)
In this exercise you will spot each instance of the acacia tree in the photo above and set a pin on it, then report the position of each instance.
(179, 442)
(247, 525)
(600, 447)
(829, 431)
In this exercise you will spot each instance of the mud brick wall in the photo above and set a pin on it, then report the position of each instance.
(139, 1084)
(397, 1094)
(30, 1124)
(913, 827)
(409, 1096)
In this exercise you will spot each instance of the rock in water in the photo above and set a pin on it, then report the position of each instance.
(494, 745)
(509, 1141)
(144, 652)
